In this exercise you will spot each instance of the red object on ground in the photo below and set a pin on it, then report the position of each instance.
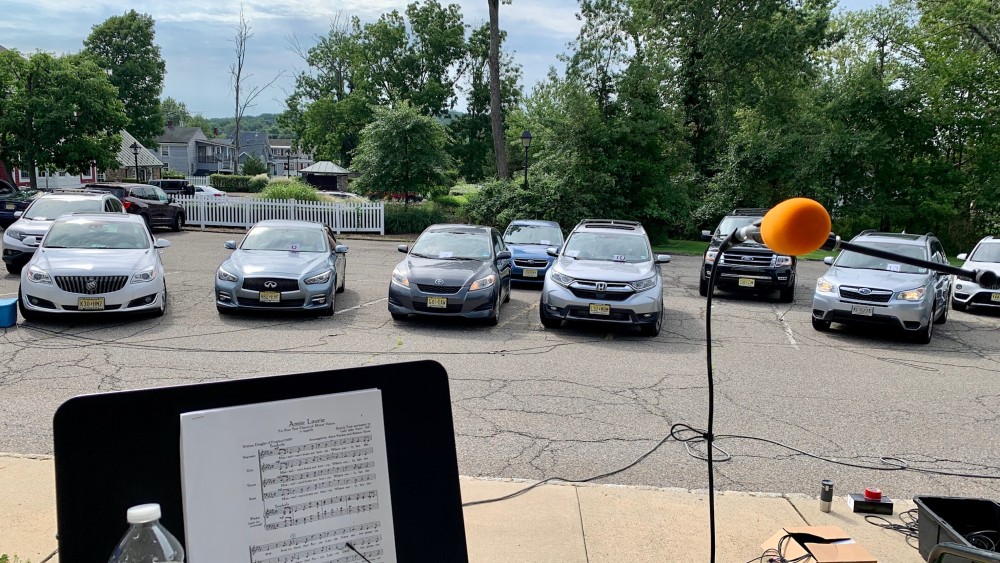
(873, 493)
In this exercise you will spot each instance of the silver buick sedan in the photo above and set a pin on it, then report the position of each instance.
(283, 265)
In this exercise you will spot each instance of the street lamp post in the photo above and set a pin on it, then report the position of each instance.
(526, 141)
(135, 152)
(288, 165)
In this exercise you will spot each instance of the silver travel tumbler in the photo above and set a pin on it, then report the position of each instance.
(825, 495)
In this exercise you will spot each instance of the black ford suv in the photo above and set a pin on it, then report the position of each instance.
(174, 187)
(748, 266)
(149, 202)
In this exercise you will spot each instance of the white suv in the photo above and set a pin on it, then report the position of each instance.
(985, 256)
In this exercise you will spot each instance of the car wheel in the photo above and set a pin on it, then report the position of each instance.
(703, 287)
(163, 304)
(787, 294)
(13, 268)
(178, 223)
(399, 316)
(494, 319)
(955, 304)
(506, 298)
(332, 300)
(547, 321)
(653, 329)
(923, 336)
(944, 315)
(821, 325)
(223, 310)
(342, 278)
(25, 313)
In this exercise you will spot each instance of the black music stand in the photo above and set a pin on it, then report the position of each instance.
(116, 450)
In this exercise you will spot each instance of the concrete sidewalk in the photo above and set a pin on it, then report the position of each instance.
(553, 523)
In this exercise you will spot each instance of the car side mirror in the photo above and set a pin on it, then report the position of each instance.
(161, 243)
(231, 244)
(962, 256)
(552, 251)
(170, 199)
(340, 249)
(663, 258)
(404, 248)
(18, 213)
(706, 235)
(503, 255)
(31, 241)
(828, 260)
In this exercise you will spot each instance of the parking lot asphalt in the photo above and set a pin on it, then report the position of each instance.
(574, 402)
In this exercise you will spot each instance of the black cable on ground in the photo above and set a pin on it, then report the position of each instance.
(908, 527)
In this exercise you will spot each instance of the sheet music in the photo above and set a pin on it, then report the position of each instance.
(304, 480)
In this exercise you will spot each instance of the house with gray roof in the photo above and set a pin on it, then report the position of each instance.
(189, 151)
(134, 161)
(255, 143)
(289, 159)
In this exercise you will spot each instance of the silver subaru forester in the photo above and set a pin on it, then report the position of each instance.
(606, 272)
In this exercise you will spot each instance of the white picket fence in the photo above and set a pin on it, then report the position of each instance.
(226, 211)
(199, 180)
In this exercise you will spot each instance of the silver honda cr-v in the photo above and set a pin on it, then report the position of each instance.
(861, 289)
(606, 272)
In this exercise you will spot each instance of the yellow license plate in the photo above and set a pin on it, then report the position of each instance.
(270, 297)
(747, 282)
(531, 273)
(10, 206)
(90, 303)
(598, 309)
(437, 302)
(995, 297)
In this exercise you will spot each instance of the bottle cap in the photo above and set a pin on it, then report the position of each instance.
(873, 493)
(143, 513)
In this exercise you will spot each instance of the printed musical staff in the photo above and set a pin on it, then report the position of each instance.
(316, 459)
(347, 509)
(293, 508)
(284, 479)
(303, 554)
(292, 450)
(302, 540)
(323, 485)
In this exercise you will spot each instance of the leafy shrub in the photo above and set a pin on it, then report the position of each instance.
(450, 200)
(172, 175)
(258, 183)
(230, 183)
(464, 189)
(408, 219)
(289, 189)
(253, 166)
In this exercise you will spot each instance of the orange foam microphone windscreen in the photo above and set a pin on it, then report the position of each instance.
(796, 226)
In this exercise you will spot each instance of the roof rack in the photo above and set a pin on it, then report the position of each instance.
(610, 223)
(750, 211)
(867, 232)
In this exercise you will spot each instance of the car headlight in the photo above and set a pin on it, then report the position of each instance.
(483, 283)
(226, 276)
(562, 279)
(16, 235)
(38, 275)
(643, 285)
(710, 256)
(912, 294)
(780, 261)
(144, 275)
(321, 278)
(824, 286)
(400, 279)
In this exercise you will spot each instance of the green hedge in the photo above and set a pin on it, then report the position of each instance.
(408, 219)
(230, 183)
(172, 175)
(296, 190)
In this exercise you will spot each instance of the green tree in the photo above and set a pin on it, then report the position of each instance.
(174, 112)
(124, 46)
(496, 97)
(252, 165)
(57, 113)
(401, 151)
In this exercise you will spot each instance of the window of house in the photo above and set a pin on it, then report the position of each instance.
(164, 150)
(101, 177)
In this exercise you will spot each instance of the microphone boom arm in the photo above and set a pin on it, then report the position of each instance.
(984, 278)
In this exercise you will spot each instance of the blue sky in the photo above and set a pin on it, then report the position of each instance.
(195, 37)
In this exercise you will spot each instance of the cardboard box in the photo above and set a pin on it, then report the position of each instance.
(826, 544)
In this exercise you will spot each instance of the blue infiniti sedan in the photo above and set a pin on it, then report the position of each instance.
(527, 240)
(283, 265)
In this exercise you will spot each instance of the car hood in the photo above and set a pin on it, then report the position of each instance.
(536, 251)
(452, 272)
(271, 262)
(604, 270)
(990, 266)
(31, 227)
(745, 245)
(875, 279)
(92, 261)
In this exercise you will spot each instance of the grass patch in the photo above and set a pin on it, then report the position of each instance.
(463, 189)
(682, 247)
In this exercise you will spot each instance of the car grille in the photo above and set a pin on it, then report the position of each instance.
(91, 285)
(423, 308)
(614, 316)
(283, 303)
(443, 289)
(737, 258)
(106, 308)
(601, 295)
(281, 284)
(984, 298)
(876, 295)
(522, 263)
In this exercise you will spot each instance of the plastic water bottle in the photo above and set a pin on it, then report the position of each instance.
(147, 541)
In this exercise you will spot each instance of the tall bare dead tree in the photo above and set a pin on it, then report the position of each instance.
(496, 109)
(245, 93)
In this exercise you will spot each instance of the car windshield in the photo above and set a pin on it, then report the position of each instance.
(452, 245)
(48, 209)
(730, 224)
(545, 235)
(285, 239)
(88, 233)
(989, 252)
(610, 247)
(848, 259)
